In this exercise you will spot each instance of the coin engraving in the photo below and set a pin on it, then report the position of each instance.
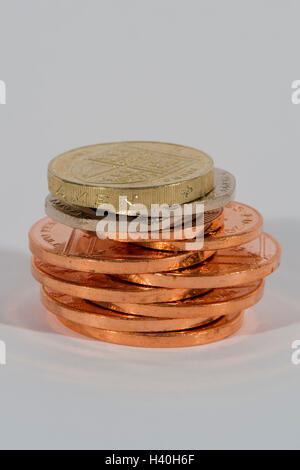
(125, 163)
(148, 172)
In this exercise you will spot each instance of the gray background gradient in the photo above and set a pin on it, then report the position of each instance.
(210, 74)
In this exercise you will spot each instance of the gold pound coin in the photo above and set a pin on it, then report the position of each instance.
(144, 172)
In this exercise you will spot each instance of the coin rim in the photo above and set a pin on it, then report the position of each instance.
(115, 320)
(188, 310)
(147, 295)
(235, 278)
(218, 330)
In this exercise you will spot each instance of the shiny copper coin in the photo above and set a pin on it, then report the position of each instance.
(215, 331)
(230, 267)
(70, 248)
(216, 302)
(102, 287)
(241, 224)
(86, 313)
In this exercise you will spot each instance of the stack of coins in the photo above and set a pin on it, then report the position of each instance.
(111, 270)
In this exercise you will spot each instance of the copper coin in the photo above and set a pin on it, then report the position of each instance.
(241, 224)
(86, 313)
(214, 331)
(216, 302)
(70, 248)
(230, 267)
(102, 287)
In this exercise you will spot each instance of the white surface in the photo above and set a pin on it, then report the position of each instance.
(214, 75)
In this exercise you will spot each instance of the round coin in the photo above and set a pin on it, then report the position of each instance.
(70, 248)
(215, 331)
(221, 195)
(86, 219)
(86, 313)
(230, 267)
(144, 172)
(102, 287)
(216, 302)
(241, 224)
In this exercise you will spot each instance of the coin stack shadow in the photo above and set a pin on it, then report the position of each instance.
(153, 292)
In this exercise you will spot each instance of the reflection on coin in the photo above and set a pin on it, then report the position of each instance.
(145, 172)
(86, 313)
(241, 224)
(230, 267)
(70, 248)
(102, 287)
(215, 331)
(216, 302)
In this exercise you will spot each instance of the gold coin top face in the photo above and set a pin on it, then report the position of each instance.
(130, 164)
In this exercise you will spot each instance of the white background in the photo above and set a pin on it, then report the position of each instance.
(210, 74)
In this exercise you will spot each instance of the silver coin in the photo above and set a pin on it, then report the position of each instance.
(85, 218)
(222, 194)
